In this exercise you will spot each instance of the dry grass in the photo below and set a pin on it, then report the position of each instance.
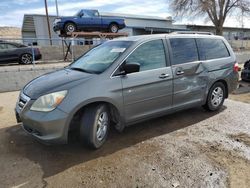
(10, 32)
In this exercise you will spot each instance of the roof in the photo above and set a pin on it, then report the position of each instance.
(14, 43)
(177, 35)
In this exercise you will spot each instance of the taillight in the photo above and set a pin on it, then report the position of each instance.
(236, 67)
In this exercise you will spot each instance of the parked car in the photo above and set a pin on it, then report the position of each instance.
(88, 20)
(15, 52)
(245, 73)
(125, 81)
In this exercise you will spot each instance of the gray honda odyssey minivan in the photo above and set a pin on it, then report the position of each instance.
(125, 81)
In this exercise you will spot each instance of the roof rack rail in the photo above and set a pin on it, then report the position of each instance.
(192, 32)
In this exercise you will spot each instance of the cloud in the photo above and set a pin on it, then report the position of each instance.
(22, 2)
(12, 12)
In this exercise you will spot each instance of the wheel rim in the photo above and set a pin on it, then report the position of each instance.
(71, 28)
(26, 59)
(217, 96)
(114, 28)
(102, 126)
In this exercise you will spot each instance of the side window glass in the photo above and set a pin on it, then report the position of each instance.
(10, 46)
(150, 55)
(212, 49)
(184, 50)
(3, 47)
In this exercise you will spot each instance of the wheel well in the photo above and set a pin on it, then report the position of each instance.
(25, 53)
(225, 84)
(114, 23)
(74, 124)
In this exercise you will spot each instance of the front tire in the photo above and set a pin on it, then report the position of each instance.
(95, 125)
(69, 28)
(216, 97)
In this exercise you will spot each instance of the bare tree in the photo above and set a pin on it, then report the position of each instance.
(216, 10)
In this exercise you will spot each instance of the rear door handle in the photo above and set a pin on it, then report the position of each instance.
(179, 72)
(163, 75)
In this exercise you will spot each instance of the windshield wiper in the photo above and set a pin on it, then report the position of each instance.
(83, 70)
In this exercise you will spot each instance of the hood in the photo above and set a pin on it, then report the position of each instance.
(59, 80)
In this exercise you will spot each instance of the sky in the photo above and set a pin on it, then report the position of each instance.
(12, 11)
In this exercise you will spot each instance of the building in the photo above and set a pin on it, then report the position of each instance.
(35, 29)
(230, 33)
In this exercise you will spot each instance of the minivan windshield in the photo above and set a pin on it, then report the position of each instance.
(101, 57)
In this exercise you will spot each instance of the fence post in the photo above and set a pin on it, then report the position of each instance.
(72, 49)
(33, 54)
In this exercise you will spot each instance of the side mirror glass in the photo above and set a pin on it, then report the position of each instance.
(131, 67)
(81, 14)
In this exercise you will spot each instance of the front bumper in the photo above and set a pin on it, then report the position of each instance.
(245, 74)
(58, 26)
(46, 127)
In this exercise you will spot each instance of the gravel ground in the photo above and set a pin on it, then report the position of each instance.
(192, 148)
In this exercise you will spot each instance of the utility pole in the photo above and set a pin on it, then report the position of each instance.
(242, 26)
(57, 12)
(47, 15)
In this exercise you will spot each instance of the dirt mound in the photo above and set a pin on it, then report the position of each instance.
(10, 32)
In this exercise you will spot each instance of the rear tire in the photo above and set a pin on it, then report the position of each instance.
(216, 97)
(113, 28)
(26, 59)
(94, 126)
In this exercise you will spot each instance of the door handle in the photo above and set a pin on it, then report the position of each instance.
(163, 75)
(179, 72)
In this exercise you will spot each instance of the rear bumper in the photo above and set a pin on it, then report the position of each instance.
(38, 56)
(121, 26)
(232, 82)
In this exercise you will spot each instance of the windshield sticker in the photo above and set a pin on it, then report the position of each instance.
(118, 50)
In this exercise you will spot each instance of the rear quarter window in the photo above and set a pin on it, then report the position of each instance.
(212, 49)
(184, 50)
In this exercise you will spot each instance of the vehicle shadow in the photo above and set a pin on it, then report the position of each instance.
(57, 158)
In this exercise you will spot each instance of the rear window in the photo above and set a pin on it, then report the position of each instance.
(212, 49)
(184, 50)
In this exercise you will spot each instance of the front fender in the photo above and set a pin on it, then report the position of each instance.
(95, 101)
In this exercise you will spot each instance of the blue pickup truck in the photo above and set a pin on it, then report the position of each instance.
(88, 20)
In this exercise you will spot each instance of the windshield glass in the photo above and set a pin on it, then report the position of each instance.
(101, 57)
(78, 12)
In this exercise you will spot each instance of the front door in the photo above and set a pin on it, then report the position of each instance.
(149, 91)
(190, 75)
(8, 52)
(91, 20)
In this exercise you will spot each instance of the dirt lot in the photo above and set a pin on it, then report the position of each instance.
(192, 148)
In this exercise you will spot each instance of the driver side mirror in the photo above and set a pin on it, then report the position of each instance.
(81, 14)
(129, 68)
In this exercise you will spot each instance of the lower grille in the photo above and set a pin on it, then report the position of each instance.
(32, 131)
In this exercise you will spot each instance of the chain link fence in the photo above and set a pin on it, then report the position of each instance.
(61, 50)
(68, 49)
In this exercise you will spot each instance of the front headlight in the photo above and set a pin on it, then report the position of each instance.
(49, 102)
(57, 20)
